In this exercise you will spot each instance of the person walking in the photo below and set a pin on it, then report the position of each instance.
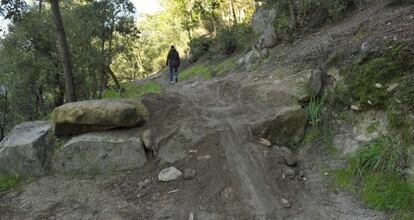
(173, 62)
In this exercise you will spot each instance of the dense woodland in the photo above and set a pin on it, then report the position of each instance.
(62, 51)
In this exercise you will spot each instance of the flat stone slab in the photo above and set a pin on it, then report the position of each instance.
(24, 150)
(98, 115)
(99, 152)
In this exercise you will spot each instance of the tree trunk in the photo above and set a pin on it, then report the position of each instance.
(64, 52)
(103, 81)
(3, 123)
(233, 11)
(40, 6)
(292, 15)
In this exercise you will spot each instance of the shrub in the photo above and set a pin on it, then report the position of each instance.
(231, 39)
(336, 7)
(199, 47)
(282, 26)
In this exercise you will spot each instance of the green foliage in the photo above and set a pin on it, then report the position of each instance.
(231, 39)
(376, 173)
(134, 91)
(282, 25)
(387, 192)
(314, 109)
(383, 155)
(396, 62)
(199, 47)
(8, 182)
(336, 8)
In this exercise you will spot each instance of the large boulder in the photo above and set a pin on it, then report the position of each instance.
(100, 152)
(261, 19)
(268, 39)
(285, 128)
(98, 115)
(24, 150)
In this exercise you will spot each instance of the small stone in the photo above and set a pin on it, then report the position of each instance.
(301, 173)
(326, 173)
(392, 87)
(265, 142)
(411, 17)
(288, 156)
(285, 203)
(189, 174)
(378, 85)
(227, 193)
(355, 108)
(203, 157)
(147, 139)
(288, 171)
(169, 174)
(369, 102)
(191, 216)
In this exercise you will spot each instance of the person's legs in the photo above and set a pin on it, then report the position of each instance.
(171, 73)
(176, 74)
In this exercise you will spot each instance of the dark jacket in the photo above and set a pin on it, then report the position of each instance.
(173, 58)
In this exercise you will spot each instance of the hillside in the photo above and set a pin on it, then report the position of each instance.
(317, 128)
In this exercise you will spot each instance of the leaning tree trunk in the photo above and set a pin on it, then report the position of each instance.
(64, 52)
(292, 15)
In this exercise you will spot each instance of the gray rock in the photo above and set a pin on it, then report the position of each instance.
(288, 171)
(98, 115)
(286, 128)
(24, 150)
(316, 83)
(169, 174)
(261, 19)
(285, 203)
(392, 87)
(265, 142)
(147, 139)
(100, 152)
(264, 53)
(268, 39)
(189, 174)
(288, 156)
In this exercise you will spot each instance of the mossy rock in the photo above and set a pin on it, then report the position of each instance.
(286, 128)
(98, 115)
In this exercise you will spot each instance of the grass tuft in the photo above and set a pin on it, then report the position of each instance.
(8, 182)
(376, 174)
(133, 91)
